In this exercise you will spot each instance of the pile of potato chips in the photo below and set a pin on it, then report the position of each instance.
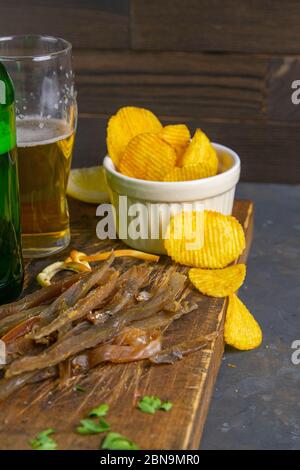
(142, 148)
(213, 273)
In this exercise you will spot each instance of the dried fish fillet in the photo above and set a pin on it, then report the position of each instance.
(166, 293)
(128, 285)
(13, 320)
(81, 308)
(178, 351)
(9, 386)
(41, 296)
(69, 298)
(101, 333)
(133, 344)
(136, 335)
(162, 320)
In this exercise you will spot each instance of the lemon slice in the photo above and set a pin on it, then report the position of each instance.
(88, 185)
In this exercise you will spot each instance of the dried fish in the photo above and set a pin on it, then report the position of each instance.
(85, 305)
(133, 344)
(9, 386)
(71, 296)
(20, 330)
(166, 293)
(162, 320)
(15, 319)
(127, 326)
(128, 285)
(178, 351)
(134, 341)
(41, 296)
(100, 333)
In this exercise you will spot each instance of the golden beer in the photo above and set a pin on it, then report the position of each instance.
(44, 157)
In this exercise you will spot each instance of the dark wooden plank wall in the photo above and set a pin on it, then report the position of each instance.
(226, 66)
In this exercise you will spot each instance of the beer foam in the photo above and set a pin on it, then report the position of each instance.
(33, 131)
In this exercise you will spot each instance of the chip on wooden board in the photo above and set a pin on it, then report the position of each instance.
(223, 239)
(148, 157)
(241, 330)
(200, 150)
(218, 282)
(188, 173)
(128, 122)
(177, 135)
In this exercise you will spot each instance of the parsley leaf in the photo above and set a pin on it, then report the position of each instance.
(43, 441)
(88, 426)
(167, 406)
(151, 404)
(115, 441)
(99, 411)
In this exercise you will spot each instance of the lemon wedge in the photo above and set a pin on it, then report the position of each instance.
(88, 185)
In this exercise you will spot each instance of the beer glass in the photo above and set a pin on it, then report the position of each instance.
(46, 118)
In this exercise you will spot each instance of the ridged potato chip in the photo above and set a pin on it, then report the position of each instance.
(188, 173)
(241, 330)
(218, 282)
(223, 239)
(200, 151)
(177, 135)
(126, 124)
(147, 157)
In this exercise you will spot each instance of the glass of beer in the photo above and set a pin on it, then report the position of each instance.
(46, 118)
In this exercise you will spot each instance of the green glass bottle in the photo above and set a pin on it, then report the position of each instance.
(11, 264)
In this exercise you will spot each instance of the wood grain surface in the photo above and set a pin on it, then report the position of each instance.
(176, 84)
(188, 383)
(260, 26)
(100, 24)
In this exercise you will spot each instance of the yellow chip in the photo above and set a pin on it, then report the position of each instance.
(148, 157)
(222, 238)
(218, 282)
(241, 330)
(188, 173)
(200, 151)
(126, 124)
(177, 135)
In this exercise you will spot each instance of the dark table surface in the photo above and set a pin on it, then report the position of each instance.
(256, 400)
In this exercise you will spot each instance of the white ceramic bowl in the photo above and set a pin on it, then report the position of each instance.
(215, 193)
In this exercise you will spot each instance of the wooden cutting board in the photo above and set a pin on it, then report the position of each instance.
(187, 383)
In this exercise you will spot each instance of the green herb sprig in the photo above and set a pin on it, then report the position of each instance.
(115, 441)
(151, 404)
(43, 441)
(99, 411)
(90, 426)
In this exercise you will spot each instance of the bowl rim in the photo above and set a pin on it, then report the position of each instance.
(110, 167)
